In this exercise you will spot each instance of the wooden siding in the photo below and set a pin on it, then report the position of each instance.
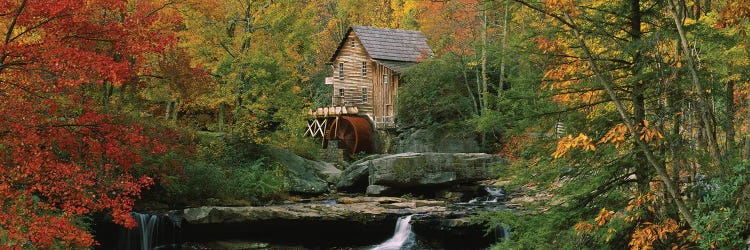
(385, 95)
(381, 100)
(353, 81)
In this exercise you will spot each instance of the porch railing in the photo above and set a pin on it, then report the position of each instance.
(382, 122)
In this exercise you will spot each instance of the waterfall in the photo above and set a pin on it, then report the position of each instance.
(495, 191)
(154, 231)
(147, 223)
(493, 197)
(400, 238)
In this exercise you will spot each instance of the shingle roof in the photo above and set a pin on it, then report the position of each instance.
(391, 44)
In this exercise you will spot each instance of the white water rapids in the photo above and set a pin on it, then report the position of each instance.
(401, 237)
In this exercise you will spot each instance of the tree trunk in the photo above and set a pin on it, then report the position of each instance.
(729, 127)
(222, 108)
(651, 159)
(175, 111)
(746, 150)
(485, 92)
(167, 109)
(503, 42)
(468, 88)
(639, 109)
(705, 105)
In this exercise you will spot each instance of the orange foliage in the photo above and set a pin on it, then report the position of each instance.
(616, 135)
(733, 13)
(649, 134)
(450, 24)
(567, 143)
(603, 217)
(512, 145)
(646, 234)
(583, 227)
(565, 74)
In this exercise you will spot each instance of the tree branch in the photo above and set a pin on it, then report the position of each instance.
(661, 170)
(34, 27)
(12, 25)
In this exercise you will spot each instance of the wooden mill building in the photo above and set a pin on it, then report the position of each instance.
(366, 76)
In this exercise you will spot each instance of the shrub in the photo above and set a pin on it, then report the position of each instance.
(257, 181)
(722, 215)
(433, 92)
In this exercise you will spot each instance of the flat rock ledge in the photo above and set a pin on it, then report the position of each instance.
(346, 221)
(355, 209)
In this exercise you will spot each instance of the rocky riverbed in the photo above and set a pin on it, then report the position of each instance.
(343, 222)
(446, 184)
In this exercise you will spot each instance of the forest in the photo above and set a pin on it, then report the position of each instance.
(631, 117)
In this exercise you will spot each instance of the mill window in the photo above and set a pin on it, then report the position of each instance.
(341, 71)
(364, 69)
(364, 94)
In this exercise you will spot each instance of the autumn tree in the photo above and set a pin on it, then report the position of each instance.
(649, 93)
(62, 156)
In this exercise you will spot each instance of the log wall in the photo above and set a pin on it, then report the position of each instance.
(381, 98)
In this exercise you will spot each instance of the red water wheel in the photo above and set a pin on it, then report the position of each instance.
(353, 132)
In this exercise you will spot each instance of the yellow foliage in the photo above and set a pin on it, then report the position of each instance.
(639, 201)
(603, 217)
(661, 233)
(644, 237)
(567, 143)
(616, 135)
(648, 134)
(583, 227)
(566, 6)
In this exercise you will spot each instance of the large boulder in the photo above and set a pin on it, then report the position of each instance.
(398, 173)
(306, 176)
(354, 177)
(423, 169)
(438, 140)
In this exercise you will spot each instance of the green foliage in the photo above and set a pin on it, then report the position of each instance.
(579, 185)
(201, 180)
(257, 180)
(224, 171)
(550, 230)
(299, 145)
(434, 92)
(722, 215)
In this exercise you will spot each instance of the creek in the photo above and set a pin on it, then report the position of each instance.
(382, 223)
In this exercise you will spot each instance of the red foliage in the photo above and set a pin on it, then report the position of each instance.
(60, 156)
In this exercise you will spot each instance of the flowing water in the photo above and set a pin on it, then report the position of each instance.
(494, 196)
(146, 224)
(402, 237)
(165, 231)
(154, 231)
